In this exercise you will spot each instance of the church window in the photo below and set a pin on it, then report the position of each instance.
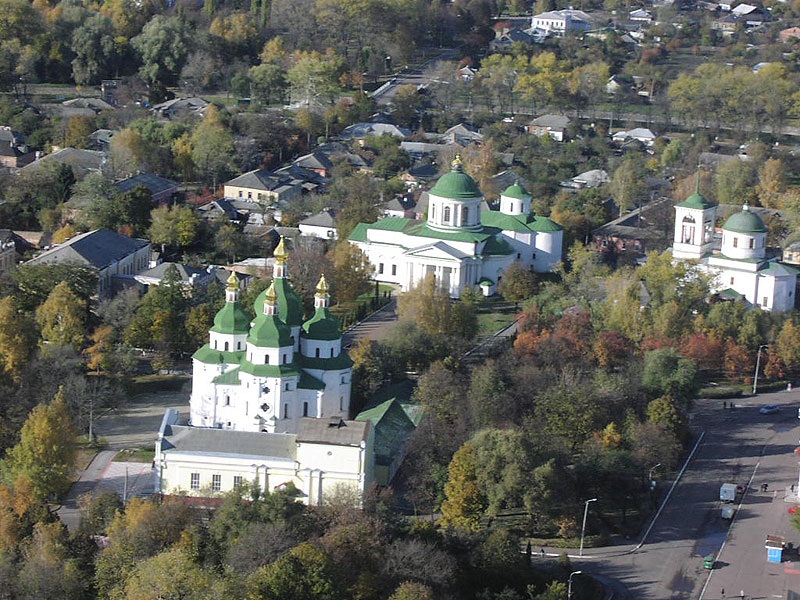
(287, 387)
(534, 256)
(215, 344)
(194, 481)
(316, 354)
(266, 359)
(341, 402)
(285, 411)
(735, 242)
(731, 280)
(433, 212)
(227, 400)
(752, 243)
(380, 268)
(226, 346)
(394, 270)
(464, 215)
(216, 482)
(331, 352)
(305, 409)
(446, 214)
(519, 256)
(238, 345)
(764, 301)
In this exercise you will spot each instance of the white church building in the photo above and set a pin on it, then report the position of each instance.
(740, 264)
(269, 403)
(461, 243)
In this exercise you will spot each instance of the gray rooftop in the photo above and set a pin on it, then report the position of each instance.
(333, 431)
(181, 438)
(152, 182)
(98, 248)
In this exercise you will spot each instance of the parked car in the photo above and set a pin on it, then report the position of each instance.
(769, 409)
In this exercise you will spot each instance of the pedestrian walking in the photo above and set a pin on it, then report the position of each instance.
(741, 595)
(724, 404)
(722, 594)
(542, 551)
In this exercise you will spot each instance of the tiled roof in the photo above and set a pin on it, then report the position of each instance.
(98, 248)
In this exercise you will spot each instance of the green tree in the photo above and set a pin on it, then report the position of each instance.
(17, 337)
(176, 226)
(172, 574)
(45, 454)
(412, 591)
(62, 317)
(94, 47)
(667, 373)
(518, 283)
(352, 272)
(212, 148)
(303, 573)
(163, 46)
(465, 502)
(735, 182)
(314, 77)
(627, 184)
(159, 321)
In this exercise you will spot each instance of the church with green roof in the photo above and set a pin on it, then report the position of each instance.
(739, 262)
(268, 374)
(461, 243)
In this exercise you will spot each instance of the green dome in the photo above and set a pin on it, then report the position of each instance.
(516, 191)
(698, 201)
(456, 184)
(231, 319)
(290, 305)
(322, 326)
(270, 332)
(745, 222)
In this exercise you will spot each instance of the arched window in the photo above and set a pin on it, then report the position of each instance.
(266, 359)
(226, 346)
(331, 352)
(316, 353)
(464, 215)
(305, 409)
(446, 214)
(433, 212)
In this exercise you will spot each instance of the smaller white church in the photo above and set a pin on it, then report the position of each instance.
(461, 243)
(740, 264)
(269, 404)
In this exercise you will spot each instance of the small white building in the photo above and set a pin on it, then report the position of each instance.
(321, 225)
(461, 244)
(560, 22)
(741, 267)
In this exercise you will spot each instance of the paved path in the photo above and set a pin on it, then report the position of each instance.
(739, 446)
(375, 327)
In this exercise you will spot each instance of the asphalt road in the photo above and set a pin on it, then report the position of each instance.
(738, 446)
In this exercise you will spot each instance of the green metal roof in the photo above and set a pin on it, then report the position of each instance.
(231, 319)
(745, 222)
(228, 378)
(392, 428)
(696, 200)
(322, 326)
(359, 233)
(777, 269)
(337, 363)
(486, 282)
(516, 191)
(391, 224)
(545, 224)
(269, 331)
(206, 354)
(269, 370)
(309, 382)
(422, 230)
(497, 246)
(495, 218)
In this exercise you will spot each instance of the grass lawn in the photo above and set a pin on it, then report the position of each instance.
(140, 455)
(491, 323)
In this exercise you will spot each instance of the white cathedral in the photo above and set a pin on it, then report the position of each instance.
(461, 243)
(740, 265)
(269, 403)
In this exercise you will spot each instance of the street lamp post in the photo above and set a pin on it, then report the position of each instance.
(569, 582)
(583, 527)
(758, 364)
(650, 475)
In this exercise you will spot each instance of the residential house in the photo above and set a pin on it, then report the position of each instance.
(587, 179)
(630, 237)
(316, 161)
(82, 162)
(560, 22)
(553, 125)
(321, 225)
(359, 131)
(262, 186)
(91, 106)
(14, 153)
(640, 134)
(220, 208)
(467, 73)
(163, 190)
(640, 15)
(12, 249)
(108, 253)
(507, 37)
(790, 35)
(462, 134)
(191, 278)
(101, 139)
(181, 107)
